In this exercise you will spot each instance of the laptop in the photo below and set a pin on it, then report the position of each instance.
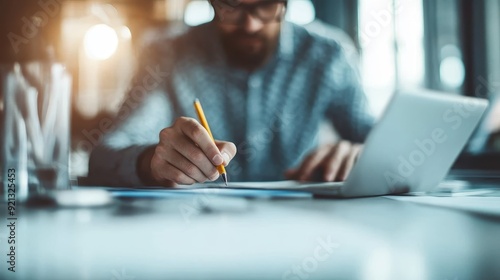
(411, 149)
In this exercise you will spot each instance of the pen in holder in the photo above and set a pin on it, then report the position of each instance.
(34, 116)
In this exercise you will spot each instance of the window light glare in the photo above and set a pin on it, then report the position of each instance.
(301, 12)
(198, 12)
(100, 42)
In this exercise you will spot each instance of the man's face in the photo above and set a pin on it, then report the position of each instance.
(249, 37)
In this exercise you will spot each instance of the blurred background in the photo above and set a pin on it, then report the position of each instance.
(447, 45)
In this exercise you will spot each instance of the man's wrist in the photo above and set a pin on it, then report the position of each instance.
(144, 166)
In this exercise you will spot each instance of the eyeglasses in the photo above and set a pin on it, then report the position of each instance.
(233, 12)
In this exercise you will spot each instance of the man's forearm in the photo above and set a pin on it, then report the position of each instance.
(110, 166)
(144, 169)
(144, 166)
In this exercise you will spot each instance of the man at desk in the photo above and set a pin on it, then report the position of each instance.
(265, 85)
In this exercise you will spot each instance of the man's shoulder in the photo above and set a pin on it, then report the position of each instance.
(177, 34)
(176, 38)
(320, 35)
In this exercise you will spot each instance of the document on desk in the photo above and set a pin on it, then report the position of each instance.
(205, 190)
(332, 188)
(489, 205)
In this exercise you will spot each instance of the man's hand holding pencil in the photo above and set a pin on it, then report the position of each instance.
(186, 154)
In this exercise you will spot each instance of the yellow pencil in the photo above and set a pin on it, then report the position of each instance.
(204, 123)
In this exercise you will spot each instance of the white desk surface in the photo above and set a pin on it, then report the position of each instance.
(201, 236)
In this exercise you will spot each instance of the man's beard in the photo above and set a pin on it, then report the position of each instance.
(248, 51)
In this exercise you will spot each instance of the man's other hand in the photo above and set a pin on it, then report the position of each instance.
(186, 154)
(332, 162)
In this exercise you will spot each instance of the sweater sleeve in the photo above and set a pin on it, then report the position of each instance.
(114, 161)
(144, 113)
(348, 109)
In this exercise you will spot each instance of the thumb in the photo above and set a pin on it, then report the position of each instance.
(227, 150)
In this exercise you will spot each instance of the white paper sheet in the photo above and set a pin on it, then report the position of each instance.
(283, 185)
(328, 188)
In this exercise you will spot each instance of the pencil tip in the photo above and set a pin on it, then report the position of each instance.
(196, 100)
(224, 178)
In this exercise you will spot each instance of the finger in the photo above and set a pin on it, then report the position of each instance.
(227, 149)
(185, 147)
(176, 159)
(311, 164)
(177, 176)
(334, 161)
(291, 174)
(171, 141)
(199, 135)
(165, 173)
(349, 164)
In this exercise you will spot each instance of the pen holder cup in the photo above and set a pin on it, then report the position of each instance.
(34, 129)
